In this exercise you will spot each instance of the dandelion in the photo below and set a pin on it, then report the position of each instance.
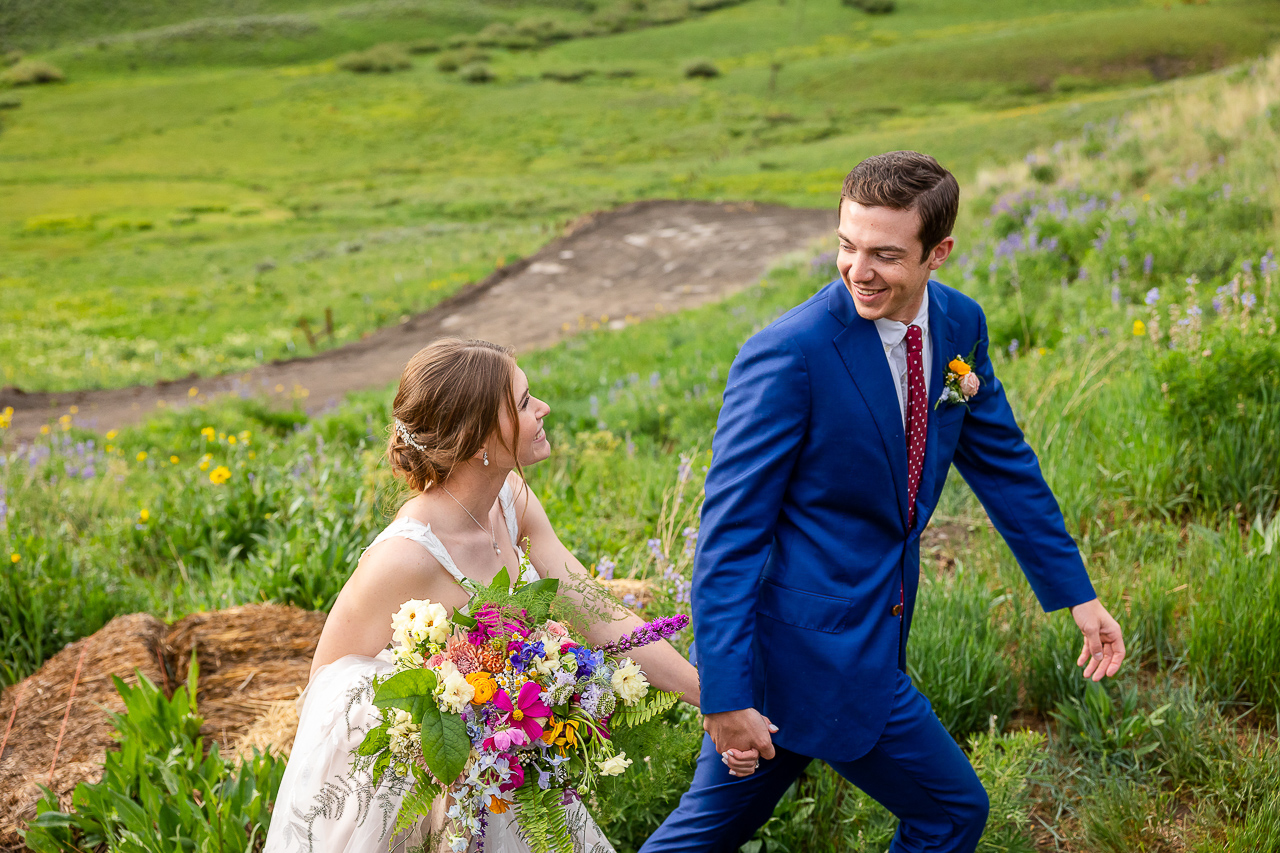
(219, 475)
(1153, 296)
(144, 515)
(231, 439)
(207, 433)
(173, 460)
(111, 434)
(1139, 328)
(191, 392)
(142, 456)
(15, 557)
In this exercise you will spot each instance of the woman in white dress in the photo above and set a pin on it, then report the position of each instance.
(465, 425)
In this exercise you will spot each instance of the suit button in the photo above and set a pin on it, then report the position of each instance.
(897, 610)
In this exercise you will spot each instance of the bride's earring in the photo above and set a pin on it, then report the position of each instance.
(486, 457)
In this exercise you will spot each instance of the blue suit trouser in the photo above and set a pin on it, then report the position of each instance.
(915, 770)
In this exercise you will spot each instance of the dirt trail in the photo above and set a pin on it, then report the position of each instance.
(634, 262)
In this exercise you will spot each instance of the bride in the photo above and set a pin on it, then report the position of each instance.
(465, 427)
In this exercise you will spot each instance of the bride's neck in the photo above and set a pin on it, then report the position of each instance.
(476, 490)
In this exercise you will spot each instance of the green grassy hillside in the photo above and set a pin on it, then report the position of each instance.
(217, 175)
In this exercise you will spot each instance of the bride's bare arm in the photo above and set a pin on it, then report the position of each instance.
(391, 572)
(665, 667)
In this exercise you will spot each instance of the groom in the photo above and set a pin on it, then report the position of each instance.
(829, 457)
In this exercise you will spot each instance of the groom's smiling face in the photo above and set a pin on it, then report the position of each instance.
(880, 260)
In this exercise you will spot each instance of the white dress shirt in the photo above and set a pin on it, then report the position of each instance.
(893, 335)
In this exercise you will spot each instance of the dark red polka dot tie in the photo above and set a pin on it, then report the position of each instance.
(917, 418)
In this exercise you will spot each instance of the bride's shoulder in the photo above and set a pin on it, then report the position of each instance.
(396, 552)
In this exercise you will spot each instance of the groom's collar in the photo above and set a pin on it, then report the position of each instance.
(892, 332)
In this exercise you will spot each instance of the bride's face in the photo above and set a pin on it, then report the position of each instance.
(530, 411)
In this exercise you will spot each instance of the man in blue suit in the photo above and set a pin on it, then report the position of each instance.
(829, 456)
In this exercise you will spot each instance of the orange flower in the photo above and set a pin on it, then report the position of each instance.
(958, 367)
(485, 687)
(498, 806)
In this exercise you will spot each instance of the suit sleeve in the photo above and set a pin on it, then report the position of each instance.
(995, 460)
(761, 428)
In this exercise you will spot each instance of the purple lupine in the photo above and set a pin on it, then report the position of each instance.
(604, 569)
(650, 632)
(1153, 296)
(1249, 300)
(1148, 263)
(4, 508)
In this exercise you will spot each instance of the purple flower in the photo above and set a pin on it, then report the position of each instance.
(655, 548)
(1148, 263)
(1013, 346)
(1194, 311)
(650, 632)
(604, 568)
(1217, 304)
(1246, 267)
(1249, 300)
(654, 379)
(1153, 296)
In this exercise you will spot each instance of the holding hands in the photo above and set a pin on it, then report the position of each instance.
(1103, 649)
(742, 738)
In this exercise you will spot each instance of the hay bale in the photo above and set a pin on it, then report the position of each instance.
(125, 644)
(272, 732)
(250, 657)
(622, 587)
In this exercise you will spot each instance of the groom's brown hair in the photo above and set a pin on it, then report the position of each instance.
(903, 180)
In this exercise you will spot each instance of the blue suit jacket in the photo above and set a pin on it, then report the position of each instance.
(804, 543)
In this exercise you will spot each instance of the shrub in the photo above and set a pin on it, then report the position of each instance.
(425, 46)
(476, 72)
(701, 69)
(872, 7)
(161, 780)
(545, 29)
(568, 76)
(380, 59)
(455, 59)
(501, 34)
(9, 102)
(31, 72)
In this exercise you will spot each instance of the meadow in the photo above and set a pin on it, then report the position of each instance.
(208, 179)
(1129, 276)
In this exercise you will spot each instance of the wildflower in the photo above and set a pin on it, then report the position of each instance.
(191, 392)
(142, 456)
(44, 430)
(173, 460)
(219, 475)
(1139, 328)
(1153, 296)
(1013, 346)
(525, 712)
(231, 439)
(111, 448)
(15, 557)
(629, 682)
(1249, 300)
(207, 433)
(604, 568)
(144, 515)
(615, 766)
(112, 434)
(1148, 263)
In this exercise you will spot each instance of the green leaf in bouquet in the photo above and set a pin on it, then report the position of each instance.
(654, 703)
(411, 690)
(501, 581)
(462, 619)
(376, 740)
(445, 745)
(536, 598)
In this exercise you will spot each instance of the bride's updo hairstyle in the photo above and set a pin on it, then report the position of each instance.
(448, 402)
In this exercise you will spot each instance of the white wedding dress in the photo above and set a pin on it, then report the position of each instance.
(323, 808)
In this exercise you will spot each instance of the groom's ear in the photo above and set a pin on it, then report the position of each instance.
(939, 254)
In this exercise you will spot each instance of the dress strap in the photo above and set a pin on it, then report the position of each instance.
(411, 528)
(507, 500)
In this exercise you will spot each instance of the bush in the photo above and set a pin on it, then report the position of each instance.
(381, 59)
(30, 72)
(455, 59)
(701, 69)
(425, 46)
(160, 790)
(568, 76)
(872, 7)
(1222, 401)
(476, 72)
(9, 102)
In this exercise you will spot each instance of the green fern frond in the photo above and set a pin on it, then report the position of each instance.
(655, 703)
(416, 804)
(541, 819)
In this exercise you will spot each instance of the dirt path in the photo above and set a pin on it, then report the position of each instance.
(634, 262)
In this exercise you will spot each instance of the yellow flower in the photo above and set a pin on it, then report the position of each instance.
(958, 367)
(231, 439)
(144, 516)
(15, 557)
(111, 434)
(8, 411)
(204, 464)
(1139, 328)
(220, 475)
(173, 460)
(561, 732)
(44, 430)
(74, 409)
(252, 455)
(191, 392)
(110, 448)
(142, 456)
(485, 687)
(208, 433)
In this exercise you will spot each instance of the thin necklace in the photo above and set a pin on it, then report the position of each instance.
(492, 538)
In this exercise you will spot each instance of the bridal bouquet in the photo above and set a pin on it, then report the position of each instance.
(501, 707)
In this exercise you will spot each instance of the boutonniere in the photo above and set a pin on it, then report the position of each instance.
(961, 382)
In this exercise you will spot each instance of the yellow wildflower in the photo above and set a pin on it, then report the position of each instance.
(1139, 328)
(173, 460)
(74, 409)
(220, 475)
(111, 434)
(208, 433)
(144, 515)
(142, 456)
(191, 392)
(110, 448)
(15, 557)
(44, 430)
(231, 439)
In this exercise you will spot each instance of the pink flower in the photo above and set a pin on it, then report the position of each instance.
(527, 713)
(555, 629)
(517, 776)
(969, 385)
(507, 738)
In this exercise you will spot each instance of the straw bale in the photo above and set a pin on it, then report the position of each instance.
(125, 644)
(250, 658)
(622, 587)
(272, 732)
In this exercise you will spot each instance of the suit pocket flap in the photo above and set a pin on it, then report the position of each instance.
(802, 609)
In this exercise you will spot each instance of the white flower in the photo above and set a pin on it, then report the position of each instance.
(408, 624)
(437, 623)
(407, 658)
(458, 844)
(550, 662)
(629, 682)
(457, 691)
(615, 766)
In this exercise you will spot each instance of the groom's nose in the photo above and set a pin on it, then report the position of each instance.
(860, 269)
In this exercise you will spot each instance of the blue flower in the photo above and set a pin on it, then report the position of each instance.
(1153, 296)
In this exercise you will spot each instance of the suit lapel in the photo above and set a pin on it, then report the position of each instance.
(863, 356)
(943, 335)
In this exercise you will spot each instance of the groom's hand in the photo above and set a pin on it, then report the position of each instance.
(1103, 641)
(741, 730)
